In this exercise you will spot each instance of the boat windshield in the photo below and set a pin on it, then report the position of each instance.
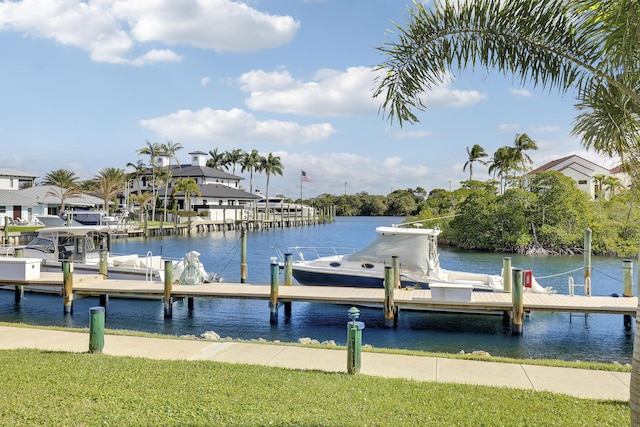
(42, 245)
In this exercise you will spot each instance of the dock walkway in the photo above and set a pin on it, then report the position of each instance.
(413, 299)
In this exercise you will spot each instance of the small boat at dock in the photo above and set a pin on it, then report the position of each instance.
(82, 245)
(417, 251)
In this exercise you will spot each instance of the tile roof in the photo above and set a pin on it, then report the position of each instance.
(13, 198)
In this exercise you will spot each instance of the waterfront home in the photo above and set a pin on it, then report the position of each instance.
(11, 179)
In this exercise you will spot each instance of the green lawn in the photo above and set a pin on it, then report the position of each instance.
(39, 388)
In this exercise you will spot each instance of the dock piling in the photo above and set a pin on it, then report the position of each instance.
(506, 274)
(517, 300)
(587, 257)
(168, 284)
(395, 264)
(273, 301)
(288, 280)
(103, 263)
(67, 286)
(390, 308)
(243, 256)
(96, 329)
(19, 289)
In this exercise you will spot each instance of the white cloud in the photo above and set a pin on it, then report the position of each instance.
(520, 92)
(545, 129)
(205, 81)
(112, 30)
(333, 93)
(408, 134)
(229, 127)
(508, 127)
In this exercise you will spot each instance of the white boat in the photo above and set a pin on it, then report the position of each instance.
(417, 250)
(81, 245)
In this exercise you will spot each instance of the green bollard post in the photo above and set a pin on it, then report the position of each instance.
(506, 274)
(273, 301)
(354, 342)
(96, 329)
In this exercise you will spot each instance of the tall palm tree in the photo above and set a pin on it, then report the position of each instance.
(589, 45)
(217, 160)
(109, 183)
(271, 165)
(475, 155)
(503, 162)
(251, 162)
(522, 143)
(153, 150)
(189, 187)
(66, 183)
(233, 157)
(169, 150)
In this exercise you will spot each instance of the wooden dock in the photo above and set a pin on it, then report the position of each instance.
(416, 299)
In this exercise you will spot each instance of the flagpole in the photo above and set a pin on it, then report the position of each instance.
(300, 185)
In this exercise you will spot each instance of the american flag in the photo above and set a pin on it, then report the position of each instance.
(304, 177)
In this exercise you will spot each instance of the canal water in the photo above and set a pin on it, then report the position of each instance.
(546, 335)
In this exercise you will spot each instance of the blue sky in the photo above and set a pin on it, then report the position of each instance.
(85, 84)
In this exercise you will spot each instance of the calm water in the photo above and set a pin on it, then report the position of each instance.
(546, 335)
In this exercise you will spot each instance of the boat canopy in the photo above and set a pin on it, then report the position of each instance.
(416, 248)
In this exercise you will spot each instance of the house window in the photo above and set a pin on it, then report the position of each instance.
(582, 182)
(3, 209)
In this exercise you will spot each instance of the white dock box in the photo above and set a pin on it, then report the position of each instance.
(452, 292)
(12, 269)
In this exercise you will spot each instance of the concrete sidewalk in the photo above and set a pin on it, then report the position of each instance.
(581, 383)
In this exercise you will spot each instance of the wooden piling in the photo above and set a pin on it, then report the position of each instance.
(243, 256)
(67, 286)
(19, 289)
(168, 285)
(395, 264)
(627, 278)
(288, 280)
(273, 301)
(390, 309)
(518, 302)
(103, 263)
(506, 274)
(587, 257)
(6, 230)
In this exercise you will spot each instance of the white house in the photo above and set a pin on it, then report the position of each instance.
(583, 172)
(14, 180)
(220, 193)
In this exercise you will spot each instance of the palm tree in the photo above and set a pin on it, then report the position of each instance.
(475, 155)
(503, 162)
(598, 181)
(271, 165)
(109, 183)
(589, 45)
(189, 187)
(217, 160)
(153, 150)
(169, 150)
(251, 162)
(523, 143)
(66, 183)
(233, 158)
(142, 200)
(139, 170)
